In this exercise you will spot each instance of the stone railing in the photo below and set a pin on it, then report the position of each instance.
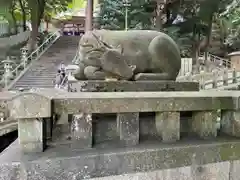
(26, 60)
(96, 141)
(7, 124)
(215, 79)
(34, 109)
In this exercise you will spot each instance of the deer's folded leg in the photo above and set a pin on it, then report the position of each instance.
(152, 76)
(94, 73)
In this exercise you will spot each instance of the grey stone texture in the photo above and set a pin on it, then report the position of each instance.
(128, 128)
(30, 105)
(135, 86)
(105, 102)
(32, 134)
(204, 124)
(168, 125)
(62, 162)
(230, 122)
(213, 171)
(113, 56)
(81, 131)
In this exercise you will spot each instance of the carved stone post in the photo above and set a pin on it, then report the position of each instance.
(168, 125)
(81, 130)
(202, 80)
(215, 79)
(234, 76)
(225, 77)
(230, 122)
(128, 128)
(32, 111)
(204, 124)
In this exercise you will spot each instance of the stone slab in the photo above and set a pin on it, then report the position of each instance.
(30, 105)
(120, 86)
(62, 162)
(213, 171)
(112, 102)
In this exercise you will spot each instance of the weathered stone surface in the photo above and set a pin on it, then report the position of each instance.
(168, 125)
(215, 171)
(230, 123)
(128, 128)
(119, 86)
(32, 134)
(81, 131)
(106, 102)
(111, 54)
(30, 105)
(234, 170)
(62, 162)
(204, 124)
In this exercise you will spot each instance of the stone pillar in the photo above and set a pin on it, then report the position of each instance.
(32, 134)
(128, 128)
(81, 131)
(230, 123)
(168, 125)
(89, 16)
(204, 124)
(32, 111)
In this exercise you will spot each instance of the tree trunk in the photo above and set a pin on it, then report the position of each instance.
(24, 19)
(36, 15)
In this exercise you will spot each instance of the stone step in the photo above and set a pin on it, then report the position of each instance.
(42, 72)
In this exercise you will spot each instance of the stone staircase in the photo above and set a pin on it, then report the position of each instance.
(42, 72)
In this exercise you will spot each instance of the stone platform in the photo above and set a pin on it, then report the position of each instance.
(187, 158)
(120, 86)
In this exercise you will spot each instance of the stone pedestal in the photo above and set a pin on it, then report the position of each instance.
(32, 134)
(204, 124)
(81, 131)
(168, 126)
(230, 122)
(128, 128)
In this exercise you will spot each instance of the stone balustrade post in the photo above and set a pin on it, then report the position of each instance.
(230, 122)
(32, 111)
(225, 77)
(168, 126)
(234, 76)
(204, 124)
(202, 80)
(81, 131)
(128, 128)
(215, 79)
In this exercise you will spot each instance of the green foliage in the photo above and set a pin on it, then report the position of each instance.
(112, 15)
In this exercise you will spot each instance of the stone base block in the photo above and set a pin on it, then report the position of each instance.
(63, 163)
(230, 123)
(128, 128)
(204, 124)
(119, 86)
(168, 125)
(81, 131)
(32, 135)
